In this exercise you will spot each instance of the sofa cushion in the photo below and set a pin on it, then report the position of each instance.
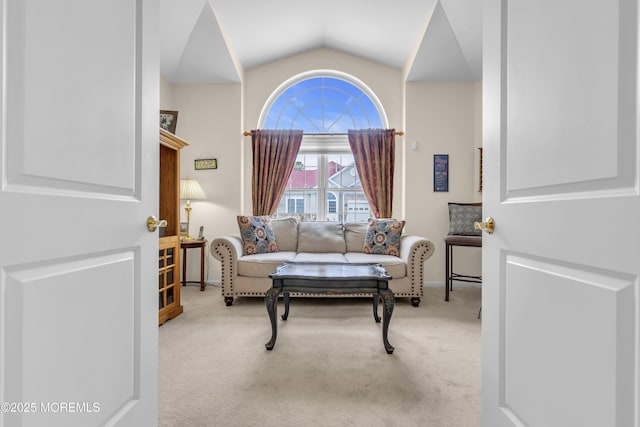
(321, 236)
(395, 266)
(261, 265)
(320, 257)
(383, 237)
(286, 232)
(462, 217)
(354, 233)
(256, 234)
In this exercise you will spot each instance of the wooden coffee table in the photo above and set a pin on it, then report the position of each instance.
(330, 279)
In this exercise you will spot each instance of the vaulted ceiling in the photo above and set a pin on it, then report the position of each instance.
(212, 41)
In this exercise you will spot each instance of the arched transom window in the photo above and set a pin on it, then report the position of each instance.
(323, 104)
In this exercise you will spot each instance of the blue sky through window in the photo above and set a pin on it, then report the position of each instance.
(323, 105)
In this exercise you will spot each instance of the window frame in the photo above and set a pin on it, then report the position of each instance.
(322, 191)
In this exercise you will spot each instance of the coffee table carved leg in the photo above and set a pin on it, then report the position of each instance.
(270, 301)
(389, 303)
(376, 299)
(286, 305)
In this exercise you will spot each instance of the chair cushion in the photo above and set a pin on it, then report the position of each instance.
(383, 237)
(464, 240)
(462, 217)
(257, 235)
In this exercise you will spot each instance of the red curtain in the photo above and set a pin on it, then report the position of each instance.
(374, 153)
(274, 154)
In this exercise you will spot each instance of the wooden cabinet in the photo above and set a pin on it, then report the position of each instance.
(169, 210)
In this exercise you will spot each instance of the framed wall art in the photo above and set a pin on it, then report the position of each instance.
(441, 172)
(200, 164)
(168, 120)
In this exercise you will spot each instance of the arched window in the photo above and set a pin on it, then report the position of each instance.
(323, 103)
(324, 184)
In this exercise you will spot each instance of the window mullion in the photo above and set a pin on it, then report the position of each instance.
(322, 187)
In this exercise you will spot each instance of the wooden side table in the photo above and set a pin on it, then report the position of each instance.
(188, 244)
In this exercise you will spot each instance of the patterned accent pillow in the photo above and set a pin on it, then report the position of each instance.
(257, 235)
(461, 219)
(383, 237)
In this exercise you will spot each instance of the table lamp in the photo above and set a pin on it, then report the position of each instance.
(190, 190)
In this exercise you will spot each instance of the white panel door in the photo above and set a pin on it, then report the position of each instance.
(560, 291)
(79, 174)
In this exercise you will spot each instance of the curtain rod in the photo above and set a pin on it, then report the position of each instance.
(398, 133)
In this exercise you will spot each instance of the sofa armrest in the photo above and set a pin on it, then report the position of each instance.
(415, 250)
(227, 250)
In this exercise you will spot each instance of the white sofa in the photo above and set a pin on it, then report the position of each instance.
(248, 275)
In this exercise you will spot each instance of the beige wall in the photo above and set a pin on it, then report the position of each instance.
(442, 118)
(439, 117)
(166, 95)
(209, 119)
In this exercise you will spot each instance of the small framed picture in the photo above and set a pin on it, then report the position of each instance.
(183, 229)
(168, 120)
(200, 164)
(441, 172)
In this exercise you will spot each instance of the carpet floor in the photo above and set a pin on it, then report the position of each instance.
(328, 367)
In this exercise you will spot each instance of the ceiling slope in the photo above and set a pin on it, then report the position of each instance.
(439, 57)
(192, 47)
(214, 41)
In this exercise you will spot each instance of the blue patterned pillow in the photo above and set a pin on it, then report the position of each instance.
(257, 235)
(383, 237)
(461, 219)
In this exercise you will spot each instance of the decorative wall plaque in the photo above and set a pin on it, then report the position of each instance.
(441, 172)
(206, 164)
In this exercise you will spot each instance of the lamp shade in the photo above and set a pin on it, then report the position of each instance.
(190, 190)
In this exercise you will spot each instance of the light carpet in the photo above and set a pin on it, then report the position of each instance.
(328, 367)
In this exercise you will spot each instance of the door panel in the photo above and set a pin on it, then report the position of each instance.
(561, 272)
(47, 66)
(79, 171)
(580, 129)
(90, 330)
(545, 306)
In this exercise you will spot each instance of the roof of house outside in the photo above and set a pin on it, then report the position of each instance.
(340, 177)
(301, 178)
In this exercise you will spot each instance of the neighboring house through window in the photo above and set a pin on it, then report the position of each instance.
(324, 184)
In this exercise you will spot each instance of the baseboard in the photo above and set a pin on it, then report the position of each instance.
(456, 284)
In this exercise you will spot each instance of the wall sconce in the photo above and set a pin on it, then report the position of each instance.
(190, 190)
